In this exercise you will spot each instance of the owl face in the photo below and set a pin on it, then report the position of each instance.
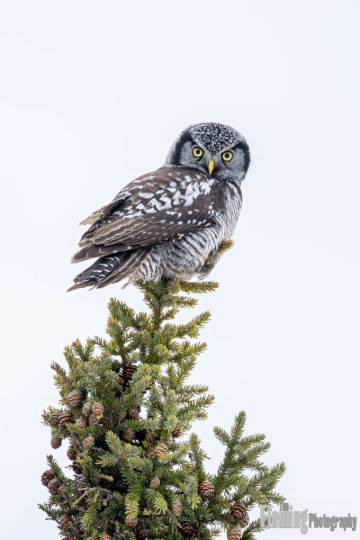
(214, 149)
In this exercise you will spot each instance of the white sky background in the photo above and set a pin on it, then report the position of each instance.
(92, 94)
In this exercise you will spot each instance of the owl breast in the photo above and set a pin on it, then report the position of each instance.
(185, 257)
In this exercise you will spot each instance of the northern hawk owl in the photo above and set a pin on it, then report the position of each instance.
(167, 223)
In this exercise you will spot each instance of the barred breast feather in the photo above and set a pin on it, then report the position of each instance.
(163, 224)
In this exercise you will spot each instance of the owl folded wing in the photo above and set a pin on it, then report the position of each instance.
(158, 207)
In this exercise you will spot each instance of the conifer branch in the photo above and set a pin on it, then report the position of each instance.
(126, 409)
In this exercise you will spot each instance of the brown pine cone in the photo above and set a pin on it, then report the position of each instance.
(238, 510)
(187, 528)
(128, 434)
(71, 453)
(122, 416)
(65, 522)
(177, 433)
(55, 417)
(81, 482)
(74, 441)
(155, 482)
(81, 422)
(46, 477)
(86, 410)
(161, 450)
(177, 507)
(61, 490)
(93, 421)
(65, 418)
(98, 410)
(130, 371)
(245, 521)
(149, 436)
(151, 452)
(235, 533)
(88, 442)
(206, 489)
(104, 536)
(56, 441)
(73, 399)
(77, 468)
(53, 486)
(131, 523)
(133, 412)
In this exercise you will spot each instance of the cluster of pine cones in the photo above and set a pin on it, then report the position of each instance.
(85, 413)
(241, 517)
(238, 511)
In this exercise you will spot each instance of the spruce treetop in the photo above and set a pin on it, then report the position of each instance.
(126, 412)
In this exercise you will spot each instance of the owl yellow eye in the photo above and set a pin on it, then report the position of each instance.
(197, 152)
(227, 156)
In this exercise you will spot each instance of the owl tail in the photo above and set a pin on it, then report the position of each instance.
(110, 269)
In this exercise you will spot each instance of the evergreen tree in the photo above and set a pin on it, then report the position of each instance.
(126, 409)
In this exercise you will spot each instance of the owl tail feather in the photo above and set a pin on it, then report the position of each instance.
(110, 269)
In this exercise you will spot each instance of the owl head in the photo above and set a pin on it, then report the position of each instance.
(214, 149)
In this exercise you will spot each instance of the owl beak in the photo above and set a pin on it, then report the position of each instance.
(211, 166)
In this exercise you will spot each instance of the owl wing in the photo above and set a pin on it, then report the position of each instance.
(155, 208)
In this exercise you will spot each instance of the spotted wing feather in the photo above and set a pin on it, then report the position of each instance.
(158, 207)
